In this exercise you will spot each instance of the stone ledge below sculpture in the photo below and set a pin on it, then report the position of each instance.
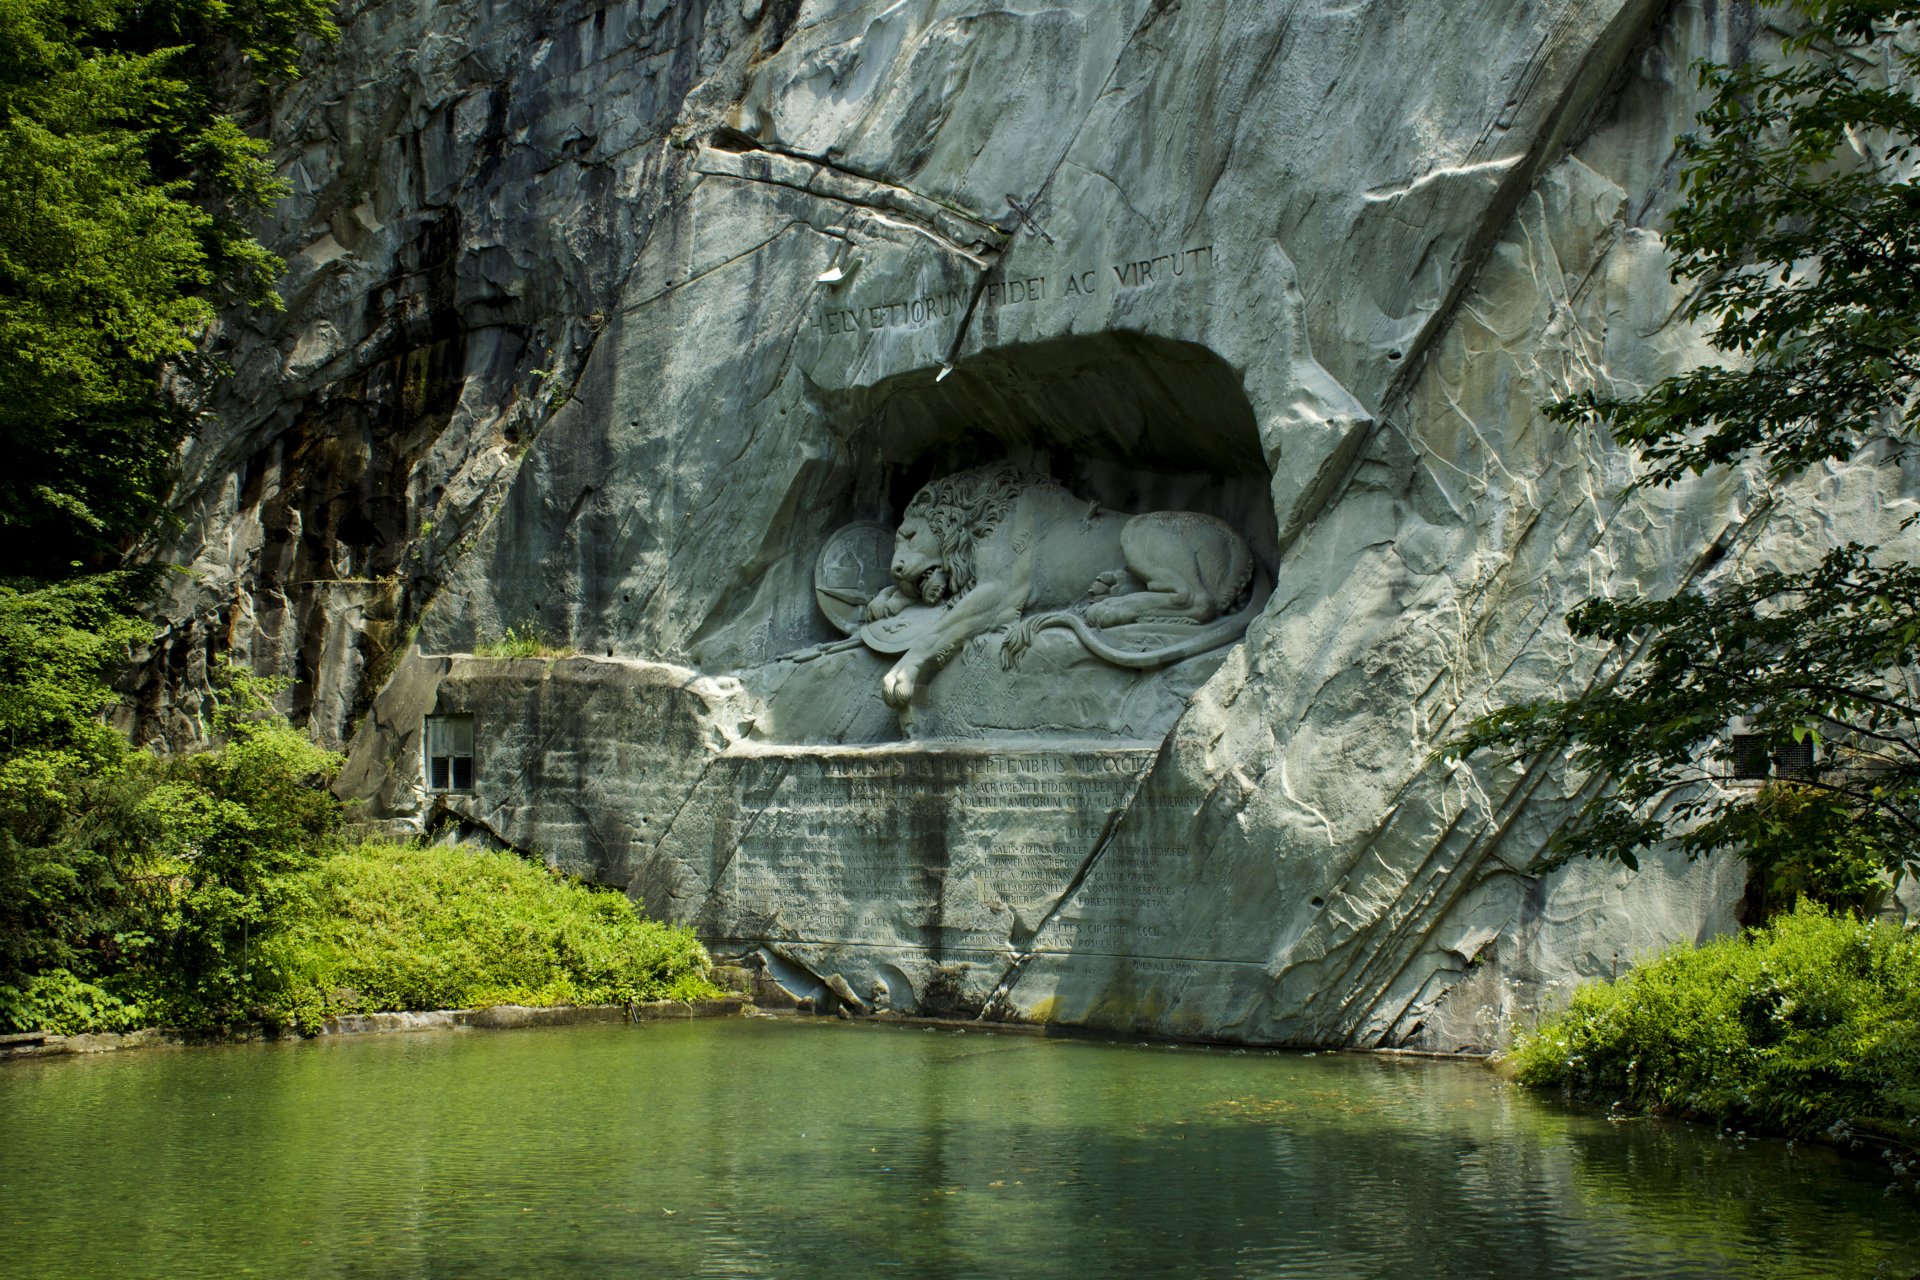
(905, 868)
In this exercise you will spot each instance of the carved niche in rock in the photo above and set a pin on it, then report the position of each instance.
(998, 552)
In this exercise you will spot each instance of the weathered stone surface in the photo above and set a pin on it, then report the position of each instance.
(611, 317)
(596, 756)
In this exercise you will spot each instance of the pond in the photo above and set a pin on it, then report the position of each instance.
(808, 1148)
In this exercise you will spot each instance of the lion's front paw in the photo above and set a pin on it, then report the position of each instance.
(897, 688)
(884, 605)
(1108, 613)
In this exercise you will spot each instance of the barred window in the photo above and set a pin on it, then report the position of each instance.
(1755, 761)
(1795, 760)
(1750, 759)
(449, 753)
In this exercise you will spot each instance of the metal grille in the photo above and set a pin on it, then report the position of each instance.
(1794, 760)
(1750, 759)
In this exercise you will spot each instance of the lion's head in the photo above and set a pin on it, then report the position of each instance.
(933, 550)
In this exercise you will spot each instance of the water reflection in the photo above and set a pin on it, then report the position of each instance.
(756, 1149)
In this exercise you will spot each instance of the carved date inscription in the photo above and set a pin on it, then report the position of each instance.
(933, 852)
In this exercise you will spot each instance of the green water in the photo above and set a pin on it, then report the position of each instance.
(756, 1148)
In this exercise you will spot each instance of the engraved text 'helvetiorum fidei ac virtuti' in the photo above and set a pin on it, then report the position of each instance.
(1139, 273)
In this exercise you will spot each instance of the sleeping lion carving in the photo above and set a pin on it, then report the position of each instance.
(996, 547)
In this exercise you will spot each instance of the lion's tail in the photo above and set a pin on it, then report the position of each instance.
(1212, 635)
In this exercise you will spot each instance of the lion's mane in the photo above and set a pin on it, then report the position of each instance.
(963, 509)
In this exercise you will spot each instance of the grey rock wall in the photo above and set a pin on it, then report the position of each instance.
(606, 318)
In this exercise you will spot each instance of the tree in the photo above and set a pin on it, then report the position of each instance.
(1800, 234)
(123, 189)
(132, 887)
(228, 827)
(61, 875)
(125, 880)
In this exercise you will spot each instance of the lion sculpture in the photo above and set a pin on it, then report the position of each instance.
(996, 547)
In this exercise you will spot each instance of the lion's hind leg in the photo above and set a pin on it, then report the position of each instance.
(1193, 565)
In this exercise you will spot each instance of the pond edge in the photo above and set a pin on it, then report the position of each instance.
(498, 1017)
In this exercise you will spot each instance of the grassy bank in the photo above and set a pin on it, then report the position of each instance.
(392, 927)
(383, 927)
(1809, 1027)
(214, 889)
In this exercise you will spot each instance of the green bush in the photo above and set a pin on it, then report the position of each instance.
(130, 880)
(398, 927)
(527, 640)
(1804, 843)
(1809, 1026)
(64, 774)
(64, 1005)
(228, 831)
(209, 889)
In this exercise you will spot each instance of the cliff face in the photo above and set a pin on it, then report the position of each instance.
(611, 318)
(471, 184)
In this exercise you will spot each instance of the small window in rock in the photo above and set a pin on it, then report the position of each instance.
(1794, 760)
(1750, 758)
(449, 753)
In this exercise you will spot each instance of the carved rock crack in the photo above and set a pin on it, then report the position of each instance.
(998, 1004)
(962, 234)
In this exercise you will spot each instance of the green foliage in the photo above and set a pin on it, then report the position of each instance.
(123, 190)
(65, 777)
(1801, 237)
(395, 927)
(125, 880)
(1810, 1026)
(1802, 843)
(1801, 229)
(64, 1005)
(59, 649)
(1821, 655)
(528, 639)
(227, 829)
(209, 889)
(144, 878)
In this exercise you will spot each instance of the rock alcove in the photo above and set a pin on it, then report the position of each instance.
(1110, 425)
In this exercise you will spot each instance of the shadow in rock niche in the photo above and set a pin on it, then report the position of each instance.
(1061, 540)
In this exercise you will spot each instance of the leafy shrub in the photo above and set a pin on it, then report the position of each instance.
(225, 830)
(1811, 1025)
(1803, 843)
(63, 774)
(64, 1005)
(528, 639)
(196, 890)
(397, 927)
(127, 873)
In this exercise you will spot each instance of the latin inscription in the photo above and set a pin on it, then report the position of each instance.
(921, 851)
(1054, 287)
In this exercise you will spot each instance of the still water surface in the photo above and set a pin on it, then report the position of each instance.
(756, 1148)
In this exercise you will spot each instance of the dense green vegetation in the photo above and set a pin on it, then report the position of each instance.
(1810, 1026)
(130, 886)
(1799, 241)
(133, 887)
(212, 889)
(208, 889)
(386, 926)
(124, 186)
